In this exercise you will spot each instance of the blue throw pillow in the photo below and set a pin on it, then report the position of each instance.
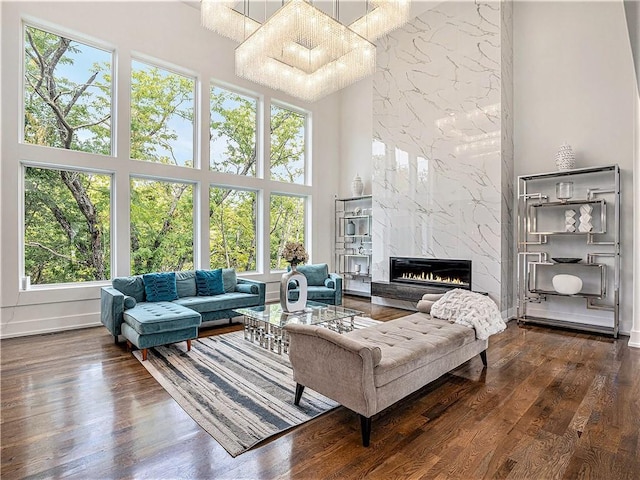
(160, 287)
(209, 282)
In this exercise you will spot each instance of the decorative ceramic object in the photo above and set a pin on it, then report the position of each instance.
(289, 305)
(570, 221)
(565, 158)
(566, 284)
(564, 191)
(357, 187)
(585, 218)
(351, 228)
(357, 268)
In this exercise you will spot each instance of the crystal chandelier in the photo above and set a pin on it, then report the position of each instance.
(301, 50)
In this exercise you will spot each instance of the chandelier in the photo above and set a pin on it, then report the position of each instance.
(301, 50)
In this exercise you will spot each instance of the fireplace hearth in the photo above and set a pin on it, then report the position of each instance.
(431, 272)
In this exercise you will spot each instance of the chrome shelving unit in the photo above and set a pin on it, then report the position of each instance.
(542, 236)
(353, 249)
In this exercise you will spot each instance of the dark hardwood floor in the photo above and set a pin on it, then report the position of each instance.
(551, 404)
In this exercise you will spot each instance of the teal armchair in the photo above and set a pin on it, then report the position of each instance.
(323, 287)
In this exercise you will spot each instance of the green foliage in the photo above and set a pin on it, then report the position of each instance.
(287, 225)
(160, 101)
(58, 238)
(287, 145)
(233, 132)
(161, 226)
(232, 239)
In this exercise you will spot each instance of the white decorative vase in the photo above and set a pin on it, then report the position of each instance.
(567, 284)
(357, 187)
(565, 158)
(288, 305)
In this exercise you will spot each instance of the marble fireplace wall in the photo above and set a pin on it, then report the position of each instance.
(443, 153)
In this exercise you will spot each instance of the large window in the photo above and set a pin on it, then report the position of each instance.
(66, 226)
(74, 201)
(287, 225)
(233, 221)
(288, 152)
(162, 112)
(67, 93)
(161, 226)
(233, 147)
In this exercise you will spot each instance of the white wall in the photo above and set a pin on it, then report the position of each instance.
(573, 82)
(169, 31)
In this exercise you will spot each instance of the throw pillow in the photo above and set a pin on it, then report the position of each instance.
(229, 279)
(209, 282)
(129, 302)
(432, 297)
(424, 306)
(160, 287)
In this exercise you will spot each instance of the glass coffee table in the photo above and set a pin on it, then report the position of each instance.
(265, 324)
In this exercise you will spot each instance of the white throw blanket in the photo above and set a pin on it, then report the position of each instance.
(470, 309)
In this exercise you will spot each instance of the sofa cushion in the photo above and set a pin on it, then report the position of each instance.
(411, 342)
(225, 301)
(229, 279)
(161, 338)
(209, 282)
(132, 286)
(316, 273)
(156, 317)
(186, 283)
(313, 293)
(160, 287)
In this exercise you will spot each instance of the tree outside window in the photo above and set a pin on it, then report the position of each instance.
(67, 93)
(161, 226)
(233, 221)
(162, 112)
(287, 145)
(232, 147)
(287, 215)
(66, 226)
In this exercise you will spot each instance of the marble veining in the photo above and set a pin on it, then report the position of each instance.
(441, 157)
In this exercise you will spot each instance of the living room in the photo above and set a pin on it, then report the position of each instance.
(561, 74)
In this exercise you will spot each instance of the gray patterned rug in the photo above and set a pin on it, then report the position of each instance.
(239, 392)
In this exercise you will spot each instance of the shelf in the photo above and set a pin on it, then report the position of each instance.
(541, 236)
(358, 236)
(355, 217)
(577, 295)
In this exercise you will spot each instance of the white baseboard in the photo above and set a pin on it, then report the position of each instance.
(40, 326)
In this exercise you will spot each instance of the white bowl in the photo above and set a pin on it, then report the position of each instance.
(567, 284)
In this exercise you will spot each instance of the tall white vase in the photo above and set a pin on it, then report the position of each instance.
(357, 186)
(288, 305)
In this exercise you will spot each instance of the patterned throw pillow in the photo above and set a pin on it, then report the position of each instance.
(209, 282)
(160, 287)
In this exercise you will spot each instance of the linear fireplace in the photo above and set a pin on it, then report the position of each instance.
(432, 272)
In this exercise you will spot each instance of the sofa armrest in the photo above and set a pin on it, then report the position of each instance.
(111, 309)
(262, 287)
(337, 280)
(345, 373)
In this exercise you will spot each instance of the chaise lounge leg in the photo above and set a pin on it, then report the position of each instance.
(129, 346)
(115, 339)
(365, 426)
(483, 356)
(189, 345)
(299, 390)
(144, 354)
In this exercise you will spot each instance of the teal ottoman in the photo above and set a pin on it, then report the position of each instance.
(150, 324)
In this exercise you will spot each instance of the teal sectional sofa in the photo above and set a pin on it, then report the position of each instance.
(129, 306)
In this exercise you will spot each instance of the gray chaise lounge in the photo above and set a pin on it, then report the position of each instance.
(369, 369)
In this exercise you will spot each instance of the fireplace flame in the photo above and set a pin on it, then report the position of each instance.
(430, 277)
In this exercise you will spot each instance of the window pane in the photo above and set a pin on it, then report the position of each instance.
(66, 226)
(233, 132)
(162, 107)
(287, 145)
(287, 225)
(67, 93)
(161, 226)
(233, 229)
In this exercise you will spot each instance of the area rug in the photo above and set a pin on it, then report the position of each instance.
(237, 391)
